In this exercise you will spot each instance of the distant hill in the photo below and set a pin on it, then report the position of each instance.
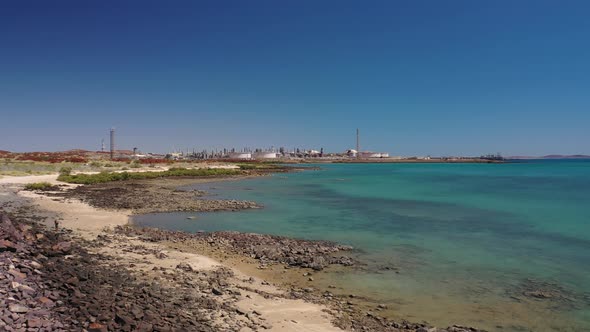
(574, 156)
(553, 156)
(75, 151)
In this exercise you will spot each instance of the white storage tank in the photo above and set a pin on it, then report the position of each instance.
(370, 154)
(240, 155)
(265, 155)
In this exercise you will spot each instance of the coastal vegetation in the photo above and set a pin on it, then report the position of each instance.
(15, 167)
(260, 165)
(103, 177)
(65, 171)
(38, 186)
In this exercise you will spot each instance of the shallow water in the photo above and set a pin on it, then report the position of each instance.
(467, 240)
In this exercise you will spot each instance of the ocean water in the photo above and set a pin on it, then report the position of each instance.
(504, 247)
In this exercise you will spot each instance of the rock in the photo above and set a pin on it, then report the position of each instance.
(34, 323)
(124, 320)
(36, 265)
(145, 327)
(185, 267)
(17, 274)
(425, 329)
(18, 308)
(26, 288)
(538, 294)
(9, 229)
(216, 291)
(62, 248)
(96, 327)
(137, 312)
(161, 255)
(317, 263)
(6, 245)
(73, 281)
(46, 301)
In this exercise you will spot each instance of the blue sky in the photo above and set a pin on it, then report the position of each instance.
(455, 77)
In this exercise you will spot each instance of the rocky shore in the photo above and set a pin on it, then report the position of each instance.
(49, 281)
(52, 281)
(293, 253)
(123, 278)
(149, 196)
(267, 249)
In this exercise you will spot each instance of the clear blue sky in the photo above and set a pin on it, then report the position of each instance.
(456, 77)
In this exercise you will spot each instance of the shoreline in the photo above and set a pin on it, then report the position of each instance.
(89, 223)
(322, 310)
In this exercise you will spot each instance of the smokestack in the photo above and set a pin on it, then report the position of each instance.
(358, 146)
(112, 143)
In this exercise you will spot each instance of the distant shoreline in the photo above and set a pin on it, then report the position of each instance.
(404, 161)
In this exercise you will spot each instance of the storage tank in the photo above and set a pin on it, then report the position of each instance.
(240, 155)
(370, 154)
(265, 155)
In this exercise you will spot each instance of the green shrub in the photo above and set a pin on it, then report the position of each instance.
(247, 166)
(65, 170)
(95, 164)
(103, 177)
(38, 186)
(260, 165)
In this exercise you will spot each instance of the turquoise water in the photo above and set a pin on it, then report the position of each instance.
(467, 240)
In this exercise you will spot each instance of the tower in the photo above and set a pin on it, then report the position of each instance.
(358, 146)
(112, 143)
(102, 144)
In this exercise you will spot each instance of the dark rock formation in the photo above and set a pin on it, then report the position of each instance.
(268, 249)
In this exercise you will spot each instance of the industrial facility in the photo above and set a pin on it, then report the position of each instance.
(364, 154)
(244, 153)
(281, 153)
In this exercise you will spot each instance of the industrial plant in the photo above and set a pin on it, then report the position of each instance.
(243, 153)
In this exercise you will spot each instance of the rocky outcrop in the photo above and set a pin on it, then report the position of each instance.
(148, 197)
(268, 249)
